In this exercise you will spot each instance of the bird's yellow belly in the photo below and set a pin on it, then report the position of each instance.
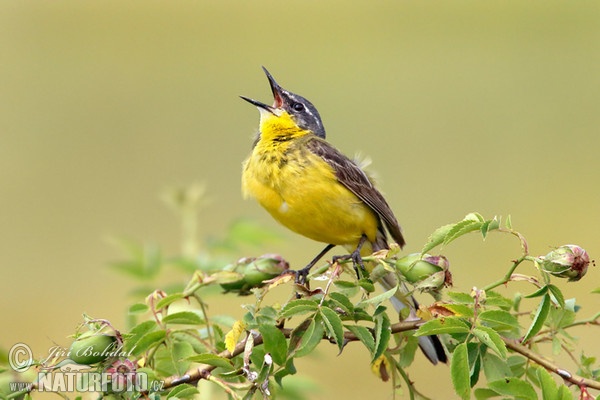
(307, 198)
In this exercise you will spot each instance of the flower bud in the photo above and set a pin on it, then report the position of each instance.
(568, 261)
(426, 271)
(253, 271)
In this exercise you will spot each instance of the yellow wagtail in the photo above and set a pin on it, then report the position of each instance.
(311, 188)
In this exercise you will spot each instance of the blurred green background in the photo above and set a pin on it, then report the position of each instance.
(464, 106)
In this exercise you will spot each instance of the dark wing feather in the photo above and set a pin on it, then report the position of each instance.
(354, 179)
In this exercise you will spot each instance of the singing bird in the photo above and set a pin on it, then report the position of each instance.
(313, 189)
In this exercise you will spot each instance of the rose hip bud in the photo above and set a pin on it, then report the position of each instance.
(568, 261)
(253, 271)
(416, 268)
(265, 267)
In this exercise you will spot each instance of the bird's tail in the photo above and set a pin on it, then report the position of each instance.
(430, 345)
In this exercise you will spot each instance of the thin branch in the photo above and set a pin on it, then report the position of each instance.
(199, 373)
(536, 358)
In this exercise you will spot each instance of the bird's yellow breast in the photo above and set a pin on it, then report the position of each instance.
(300, 190)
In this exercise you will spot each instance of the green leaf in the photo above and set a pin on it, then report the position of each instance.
(408, 350)
(342, 301)
(182, 391)
(459, 370)
(297, 307)
(459, 310)
(138, 308)
(563, 393)
(138, 332)
(165, 301)
(377, 300)
(547, 384)
(499, 320)
(442, 325)
(274, 342)
(489, 225)
(364, 335)
(211, 359)
(485, 393)
(308, 338)
(538, 293)
(474, 355)
(508, 222)
(495, 368)
(367, 285)
(172, 359)
(436, 238)
(560, 299)
(491, 339)
(515, 388)
(183, 318)
(148, 340)
(461, 298)
(495, 299)
(539, 318)
(333, 325)
(382, 333)
(470, 223)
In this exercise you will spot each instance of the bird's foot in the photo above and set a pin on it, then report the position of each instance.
(357, 261)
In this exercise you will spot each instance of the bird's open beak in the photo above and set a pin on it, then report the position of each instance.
(277, 96)
(260, 105)
(275, 88)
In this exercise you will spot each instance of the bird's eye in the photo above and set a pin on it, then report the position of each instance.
(298, 106)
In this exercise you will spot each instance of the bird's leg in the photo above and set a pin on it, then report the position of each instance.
(354, 256)
(301, 274)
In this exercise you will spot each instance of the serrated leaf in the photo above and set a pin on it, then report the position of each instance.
(499, 319)
(165, 301)
(211, 359)
(490, 338)
(547, 384)
(343, 301)
(138, 331)
(459, 370)
(474, 353)
(148, 340)
(563, 393)
(459, 297)
(183, 318)
(233, 336)
(182, 391)
(459, 310)
(470, 223)
(380, 298)
(367, 285)
(560, 299)
(516, 388)
(539, 318)
(298, 307)
(485, 393)
(274, 342)
(442, 325)
(310, 338)
(436, 238)
(364, 335)
(495, 368)
(172, 359)
(489, 225)
(382, 333)
(538, 293)
(333, 326)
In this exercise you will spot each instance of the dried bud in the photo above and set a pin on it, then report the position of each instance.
(426, 271)
(568, 261)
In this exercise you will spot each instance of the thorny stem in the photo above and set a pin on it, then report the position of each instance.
(539, 360)
(197, 374)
